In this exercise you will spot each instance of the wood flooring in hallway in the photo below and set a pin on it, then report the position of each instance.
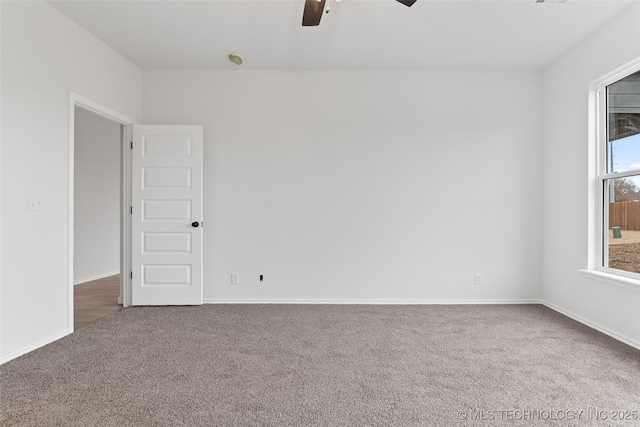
(96, 300)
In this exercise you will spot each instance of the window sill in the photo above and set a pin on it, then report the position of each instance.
(614, 279)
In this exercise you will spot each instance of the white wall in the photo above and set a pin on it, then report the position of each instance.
(364, 185)
(97, 196)
(566, 84)
(337, 186)
(0, 174)
(44, 56)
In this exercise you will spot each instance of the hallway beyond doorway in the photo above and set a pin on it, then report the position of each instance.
(96, 300)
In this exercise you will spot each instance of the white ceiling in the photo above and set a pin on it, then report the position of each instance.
(356, 34)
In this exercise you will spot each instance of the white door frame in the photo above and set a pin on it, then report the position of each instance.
(76, 100)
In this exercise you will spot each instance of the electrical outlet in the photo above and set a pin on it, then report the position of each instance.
(235, 278)
(477, 279)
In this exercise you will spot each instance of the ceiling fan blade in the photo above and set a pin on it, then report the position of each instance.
(312, 13)
(407, 3)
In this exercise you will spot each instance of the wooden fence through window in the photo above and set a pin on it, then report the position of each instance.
(625, 215)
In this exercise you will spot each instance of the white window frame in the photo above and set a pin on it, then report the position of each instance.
(598, 209)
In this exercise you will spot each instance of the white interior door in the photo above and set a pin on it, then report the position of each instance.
(166, 225)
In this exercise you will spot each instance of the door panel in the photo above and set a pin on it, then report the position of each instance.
(166, 199)
(166, 177)
(167, 243)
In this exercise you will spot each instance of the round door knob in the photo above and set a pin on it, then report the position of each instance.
(195, 224)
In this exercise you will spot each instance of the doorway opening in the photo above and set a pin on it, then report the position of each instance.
(97, 142)
(99, 200)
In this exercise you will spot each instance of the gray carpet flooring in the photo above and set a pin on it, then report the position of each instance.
(328, 365)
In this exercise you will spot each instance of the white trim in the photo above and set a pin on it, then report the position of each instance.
(373, 301)
(70, 213)
(594, 207)
(125, 219)
(96, 277)
(33, 346)
(594, 325)
(625, 174)
(100, 109)
(614, 279)
(76, 100)
(597, 211)
(619, 73)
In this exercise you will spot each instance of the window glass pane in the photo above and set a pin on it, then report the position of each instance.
(623, 111)
(623, 233)
(624, 154)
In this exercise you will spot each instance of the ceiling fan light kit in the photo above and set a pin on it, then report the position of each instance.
(313, 11)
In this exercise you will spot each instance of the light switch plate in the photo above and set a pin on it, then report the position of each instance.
(35, 203)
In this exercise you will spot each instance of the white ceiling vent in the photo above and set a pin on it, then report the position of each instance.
(549, 1)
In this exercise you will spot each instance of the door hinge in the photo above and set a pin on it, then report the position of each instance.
(131, 210)
(131, 274)
(132, 145)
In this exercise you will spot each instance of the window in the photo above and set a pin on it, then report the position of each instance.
(618, 175)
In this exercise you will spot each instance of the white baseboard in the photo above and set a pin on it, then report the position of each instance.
(594, 325)
(371, 302)
(92, 278)
(29, 348)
